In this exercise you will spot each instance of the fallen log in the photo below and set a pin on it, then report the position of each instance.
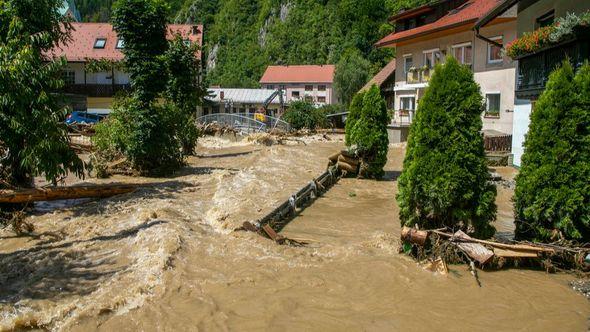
(414, 236)
(346, 167)
(348, 160)
(516, 247)
(58, 193)
(334, 157)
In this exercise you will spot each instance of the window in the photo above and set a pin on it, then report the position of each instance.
(120, 43)
(69, 77)
(407, 103)
(187, 42)
(321, 88)
(309, 99)
(321, 99)
(546, 20)
(270, 87)
(295, 94)
(100, 43)
(282, 87)
(432, 57)
(493, 104)
(408, 63)
(463, 53)
(309, 88)
(494, 51)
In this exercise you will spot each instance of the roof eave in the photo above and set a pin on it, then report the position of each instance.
(423, 33)
(500, 9)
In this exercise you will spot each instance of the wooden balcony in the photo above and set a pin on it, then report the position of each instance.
(534, 69)
(96, 90)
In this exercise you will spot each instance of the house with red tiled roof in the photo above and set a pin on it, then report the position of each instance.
(90, 89)
(426, 35)
(313, 83)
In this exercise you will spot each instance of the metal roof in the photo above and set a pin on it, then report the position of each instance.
(242, 96)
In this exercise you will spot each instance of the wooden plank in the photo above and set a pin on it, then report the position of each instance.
(474, 250)
(508, 253)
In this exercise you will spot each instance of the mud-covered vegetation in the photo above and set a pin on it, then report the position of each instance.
(445, 181)
(552, 197)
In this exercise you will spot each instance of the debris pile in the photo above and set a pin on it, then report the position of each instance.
(346, 162)
(459, 248)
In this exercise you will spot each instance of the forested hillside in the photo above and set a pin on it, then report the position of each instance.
(242, 37)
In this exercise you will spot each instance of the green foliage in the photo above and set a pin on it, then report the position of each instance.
(354, 113)
(369, 134)
(445, 180)
(352, 73)
(303, 115)
(184, 90)
(552, 188)
(32, 134)
(142, 24)
(100, 10)
(103, 65)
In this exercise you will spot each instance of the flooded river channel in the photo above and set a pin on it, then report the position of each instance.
(166, 258)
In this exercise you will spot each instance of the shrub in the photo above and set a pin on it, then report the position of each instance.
(303, 115)
(445, 181)
(552, 188)
(369, 134)
(354, 113)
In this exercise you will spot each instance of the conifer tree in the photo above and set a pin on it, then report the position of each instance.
(445, 180)
(354, 113)
(369, 134)
(553, 186)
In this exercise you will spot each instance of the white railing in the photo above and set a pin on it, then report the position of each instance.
(402, 117)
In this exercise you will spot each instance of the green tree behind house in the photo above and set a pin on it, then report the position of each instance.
(552, 196)
(445, 181)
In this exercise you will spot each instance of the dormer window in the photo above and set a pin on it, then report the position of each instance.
(120, 43)
(100, 43)
(187, 42)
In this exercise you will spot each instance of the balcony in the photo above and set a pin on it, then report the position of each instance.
(96, 90)
(402, 118)
(534, 69)
(417, 76)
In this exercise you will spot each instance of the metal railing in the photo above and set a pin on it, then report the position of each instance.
(246, 122)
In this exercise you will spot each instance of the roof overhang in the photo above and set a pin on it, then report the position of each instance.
(500, 9)
(428, 34)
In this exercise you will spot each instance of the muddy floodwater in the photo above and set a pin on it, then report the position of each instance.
(166, 258)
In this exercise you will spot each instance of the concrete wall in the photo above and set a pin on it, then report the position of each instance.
(492, 77)
(528, 12)
(329, 94)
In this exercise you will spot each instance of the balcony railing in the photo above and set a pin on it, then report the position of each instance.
(418, 76)
(96, 90)
(534, 69)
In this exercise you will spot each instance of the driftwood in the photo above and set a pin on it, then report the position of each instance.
(413, 235)
(58, 193)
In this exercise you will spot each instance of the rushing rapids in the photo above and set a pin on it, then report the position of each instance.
(166, 258)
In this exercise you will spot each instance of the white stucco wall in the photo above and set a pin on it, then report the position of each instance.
(329, 94)
(522, 113)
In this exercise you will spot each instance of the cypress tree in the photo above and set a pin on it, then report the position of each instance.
(369, 134)
(354, 113)
(553, 187)
(445, 180)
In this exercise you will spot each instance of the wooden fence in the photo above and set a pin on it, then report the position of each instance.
(498, 143)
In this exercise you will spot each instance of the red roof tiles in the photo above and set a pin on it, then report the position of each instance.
(299, 74)
(466, 14)
(84, 35)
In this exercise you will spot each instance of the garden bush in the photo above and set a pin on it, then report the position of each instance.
(354, 113)
(552, 195)
(304, 115)
(369, 134)
(445, 181)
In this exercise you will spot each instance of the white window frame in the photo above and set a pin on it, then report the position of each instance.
(407, 56)
(68, 74)
(463, 46)
(407, 97)
(487, 111)
(490, 61)
(432, 58)
(120, 44)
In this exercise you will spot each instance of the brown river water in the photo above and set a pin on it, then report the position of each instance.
(165, 258)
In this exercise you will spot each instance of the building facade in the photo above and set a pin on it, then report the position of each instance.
(89, 89)
(311, 83)
(533, 69)
(242, 101)
(426, 35)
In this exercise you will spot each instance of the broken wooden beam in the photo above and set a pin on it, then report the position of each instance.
(58, 193)
(413, 235)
